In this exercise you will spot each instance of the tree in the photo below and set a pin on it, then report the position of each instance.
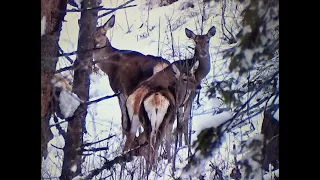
(82, 69)
(52, 14)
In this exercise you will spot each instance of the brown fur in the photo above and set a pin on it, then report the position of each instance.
(158, 84)
(125, 68)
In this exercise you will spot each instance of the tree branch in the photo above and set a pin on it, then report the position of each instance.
(102, 98)
(89, 144)
(57, 147)
(97, 149)
(67, 57)
(119, 7)
(61, 131)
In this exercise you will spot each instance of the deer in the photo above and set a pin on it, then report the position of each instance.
(152, 104)
(125, 68)
(202, 55)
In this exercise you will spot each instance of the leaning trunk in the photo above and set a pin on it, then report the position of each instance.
(51, 12)
(73, 149)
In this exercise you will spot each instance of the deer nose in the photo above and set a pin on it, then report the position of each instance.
(203, 52)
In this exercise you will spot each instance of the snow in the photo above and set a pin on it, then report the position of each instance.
(68, 103)
(74, 168)
(78, 2)
(208, 120)
(43, 25)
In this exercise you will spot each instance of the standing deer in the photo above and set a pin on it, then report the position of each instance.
(125, 68)
(158, 107)
(202, 55)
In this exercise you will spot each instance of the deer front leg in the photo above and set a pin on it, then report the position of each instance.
(125, 123)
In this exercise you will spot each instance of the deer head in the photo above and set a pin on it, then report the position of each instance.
(201, 41)
(100, 38)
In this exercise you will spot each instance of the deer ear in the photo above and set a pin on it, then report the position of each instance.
(176, 71)
(211, 32)
(194, 67)
(110, 23)
(189, 33)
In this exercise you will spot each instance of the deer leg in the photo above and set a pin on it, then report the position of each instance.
(168, 140)
(135, 123)
(124, 115)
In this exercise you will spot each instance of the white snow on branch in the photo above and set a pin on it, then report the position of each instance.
(43, 25)
(69, 102)
(208, 120)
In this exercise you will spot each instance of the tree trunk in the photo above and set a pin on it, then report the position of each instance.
(49, 58)
(76, 127)
(270, 129)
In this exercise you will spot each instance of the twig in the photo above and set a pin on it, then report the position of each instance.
(64, 69)
(67, 57)
(97, 149)
(114, 9)
(89, 144)
(61, 131)
(159, 38)
(80, 10)
(103, 98)
(232, 39)
(172, 44)
(57, 123)
(56, 147)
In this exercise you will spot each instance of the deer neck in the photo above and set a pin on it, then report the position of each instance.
(204, 64)
(102, 54)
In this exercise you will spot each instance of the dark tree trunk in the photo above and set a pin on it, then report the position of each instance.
(76, 127)
(49, 58)
(270, 130)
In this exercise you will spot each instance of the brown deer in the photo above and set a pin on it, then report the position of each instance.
(125, 68)
(158, 107)
(202, 55)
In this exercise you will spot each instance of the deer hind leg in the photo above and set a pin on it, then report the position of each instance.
(134, 121)
(135, 124)
(156, 106)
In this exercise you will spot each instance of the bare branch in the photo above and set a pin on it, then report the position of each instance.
(67, 57)
(57, 147)
(89, 144)
(61, 131)
(97, 149)
(103, 98)
(119, 7)
(64, 69)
